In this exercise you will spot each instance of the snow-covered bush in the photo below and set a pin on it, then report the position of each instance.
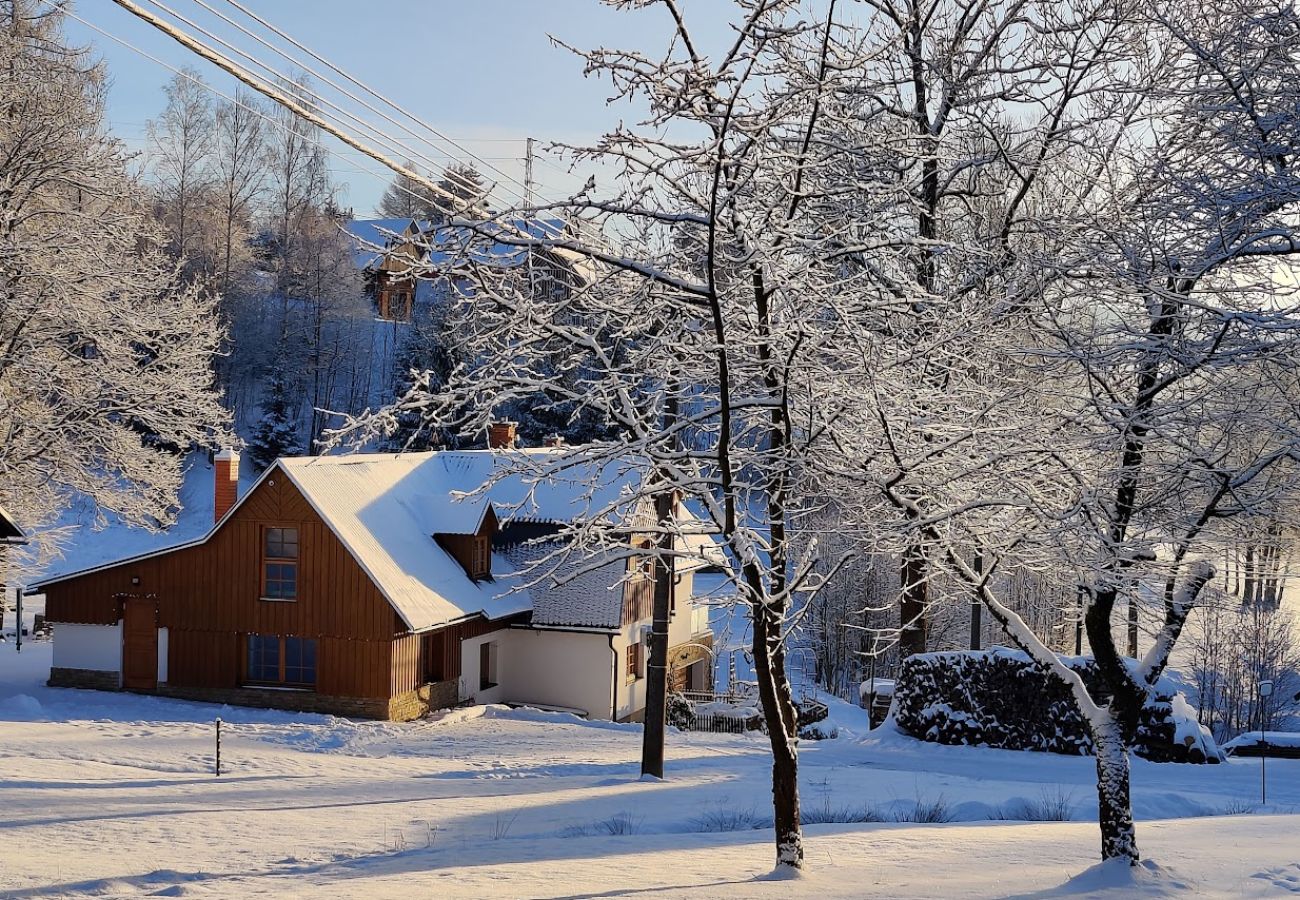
(679, 712)
(1001, 698)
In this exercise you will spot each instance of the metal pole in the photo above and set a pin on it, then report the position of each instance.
(18, 626)
(218, 746)
(1263, 777)
(976, 609)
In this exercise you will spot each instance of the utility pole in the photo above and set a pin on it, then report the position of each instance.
(656, 691)
(18, 626)
(976, 607)
(528, 174)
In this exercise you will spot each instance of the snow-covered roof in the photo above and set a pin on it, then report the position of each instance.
(449, 244)
(571, 593)
(10, 533)
(387, 508)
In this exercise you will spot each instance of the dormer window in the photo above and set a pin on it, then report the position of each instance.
(473, 550)
(481, 558)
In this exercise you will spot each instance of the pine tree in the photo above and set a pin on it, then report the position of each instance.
(466, 185)
(276, 434)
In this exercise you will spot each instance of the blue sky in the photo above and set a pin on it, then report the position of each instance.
(483, 73)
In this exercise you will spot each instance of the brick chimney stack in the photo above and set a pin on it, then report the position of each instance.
(555, 441)
(226, 491)
(502, 435)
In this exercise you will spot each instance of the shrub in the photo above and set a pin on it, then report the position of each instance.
(1001, 698)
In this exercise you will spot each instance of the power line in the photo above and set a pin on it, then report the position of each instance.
(359, 83)
(271, 120)
(318, 102)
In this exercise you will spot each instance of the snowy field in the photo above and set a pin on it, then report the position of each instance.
(114, 795)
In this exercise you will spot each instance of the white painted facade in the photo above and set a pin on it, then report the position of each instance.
(552, 668)
(94, 647)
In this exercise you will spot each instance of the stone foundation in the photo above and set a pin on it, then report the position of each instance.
(402, 708)
(90, 679)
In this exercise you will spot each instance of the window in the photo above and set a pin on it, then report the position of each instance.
(280, 564)
(281, 661)
(481, 562)
(263, 658)
(487, 665)
(635, 652)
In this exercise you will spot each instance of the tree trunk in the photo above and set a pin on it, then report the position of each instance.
(1114, 809)
(781, 716)
(912, 605)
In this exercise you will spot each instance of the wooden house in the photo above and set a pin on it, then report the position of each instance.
(368, 585)
(391, 253)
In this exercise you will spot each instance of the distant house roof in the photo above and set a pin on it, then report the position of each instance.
(10, 533)
(448, 244)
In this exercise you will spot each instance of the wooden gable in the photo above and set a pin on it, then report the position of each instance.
(216, 585)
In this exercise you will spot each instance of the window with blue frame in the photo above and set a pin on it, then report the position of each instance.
(281, 661)
(264, 658)
(280, 564)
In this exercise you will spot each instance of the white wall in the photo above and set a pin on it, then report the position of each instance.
(550, 668)
(96, 647)
(469, 673)
(162, 655)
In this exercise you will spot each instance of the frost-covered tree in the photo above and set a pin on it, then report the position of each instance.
(183, 139)
(715, 317)
(1145, 394)
(405, 198)
(105, 356)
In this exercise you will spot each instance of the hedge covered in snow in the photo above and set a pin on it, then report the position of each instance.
(1001, 698)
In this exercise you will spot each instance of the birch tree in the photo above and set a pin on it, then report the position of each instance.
(183, 140)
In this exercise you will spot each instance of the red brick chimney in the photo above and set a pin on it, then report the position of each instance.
(226, 491)
(502, 435)
(555, 441)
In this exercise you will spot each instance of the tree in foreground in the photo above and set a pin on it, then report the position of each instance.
(1113, 420)
(105, 356)
(698, 345)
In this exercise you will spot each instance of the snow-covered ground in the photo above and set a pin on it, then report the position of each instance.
(114, 795)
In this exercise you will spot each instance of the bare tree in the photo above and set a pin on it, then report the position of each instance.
(714, 318)
(1148, 394)
(105, 355)
(182, 139)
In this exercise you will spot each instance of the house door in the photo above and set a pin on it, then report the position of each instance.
(140, 644)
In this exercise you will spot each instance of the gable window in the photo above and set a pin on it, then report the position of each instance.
(635, 653)
(487, 665)
(280, 564)
(481, 557)
(281, 661)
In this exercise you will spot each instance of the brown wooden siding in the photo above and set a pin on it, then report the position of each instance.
(638, 593)
(208, 598)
